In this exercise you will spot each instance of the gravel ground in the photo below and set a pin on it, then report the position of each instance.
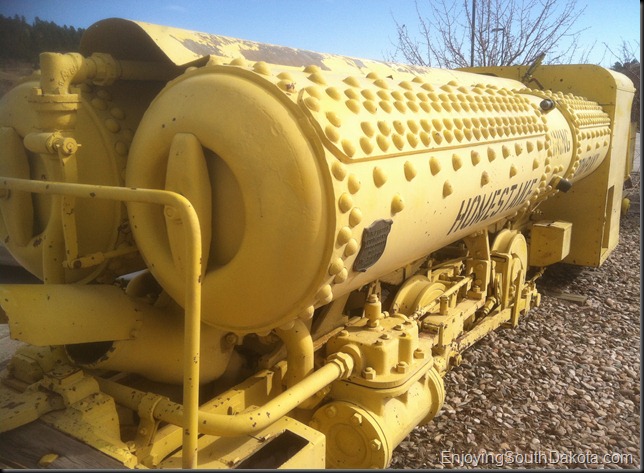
(562, 390)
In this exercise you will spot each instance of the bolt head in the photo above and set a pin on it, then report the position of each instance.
(375, 444)
(356, 419)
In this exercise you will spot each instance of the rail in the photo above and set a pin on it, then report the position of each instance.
(192, 304)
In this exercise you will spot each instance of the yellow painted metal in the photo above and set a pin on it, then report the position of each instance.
(593, 205)
(286, 183)
(354, 150)
(43, 315)
(549, 242)
(192, 302)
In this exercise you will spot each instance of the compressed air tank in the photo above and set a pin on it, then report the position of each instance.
(99, 129)
(311, 182)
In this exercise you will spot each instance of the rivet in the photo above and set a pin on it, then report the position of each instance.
(334, 119)
(344, 235)
(351, 248)
(397, 204)
(457, 162)
(410, 171)
(262, 68)
(518, 149)
(352, 94)
(317, 78)
(447, 189)
(383, 142)
(368, 128)
(345, 202)
(99, 104)
(352, 81)
(353, 183)
(368, 94)
(128, 134)
(121, 148)
(476, 157)
(398, 141)
(286, 85)
(341, 276)
(325, 295)
(366, 145)
(239, 62)
(384, 128)
(285, 76)
(381, 83)
(338, 170)
(348, 147)
(334, 93)
(434, 165)
(336, 266)
(370, 106)
(379, 177)
(485, 178)
(312, 103)
(355, 217)
(307, 313)
(400, 106)
(117, 113)
(513, 171)
(353, 105)
(112, 125)
(332, 133)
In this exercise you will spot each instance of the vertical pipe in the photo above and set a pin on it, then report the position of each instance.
(192, 336)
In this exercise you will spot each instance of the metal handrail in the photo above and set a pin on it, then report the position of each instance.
(192, 304)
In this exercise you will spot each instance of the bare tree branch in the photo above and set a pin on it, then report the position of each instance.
(506, 32)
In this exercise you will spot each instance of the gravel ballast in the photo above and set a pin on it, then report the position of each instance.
(562, 390)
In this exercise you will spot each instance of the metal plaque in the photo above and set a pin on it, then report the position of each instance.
(374, 240)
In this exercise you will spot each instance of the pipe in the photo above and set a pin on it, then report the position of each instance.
(192, 299)
(340, 365)
(60, 71)
(299, 351)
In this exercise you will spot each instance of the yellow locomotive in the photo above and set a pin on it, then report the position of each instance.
(257, 255)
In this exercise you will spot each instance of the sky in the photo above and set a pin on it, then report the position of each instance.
(357, 28)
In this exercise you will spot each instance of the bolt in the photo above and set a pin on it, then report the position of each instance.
(356, 419)
(331, 411)
(457, 360)
(368, 373)
(231, 339)
(402, 367)
(143, 431)
(375, 444)
(419, 354)
(385, 336)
